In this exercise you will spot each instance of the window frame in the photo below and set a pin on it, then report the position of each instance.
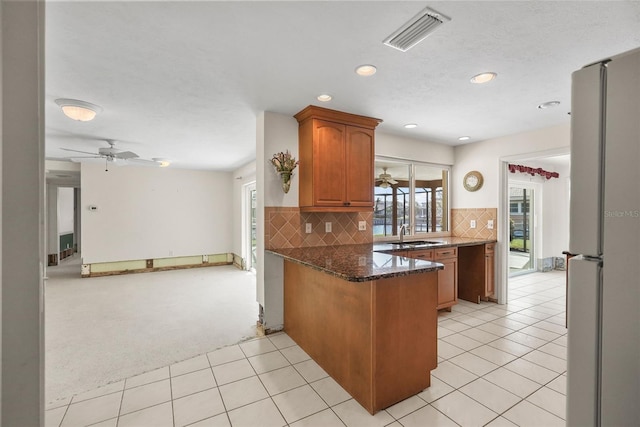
(412, 197)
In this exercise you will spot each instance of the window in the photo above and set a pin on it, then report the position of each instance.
(412, 194)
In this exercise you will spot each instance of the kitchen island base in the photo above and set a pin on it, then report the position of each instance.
(377, 339)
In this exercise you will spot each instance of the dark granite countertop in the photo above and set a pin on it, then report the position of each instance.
(356, 263)
(434, 243)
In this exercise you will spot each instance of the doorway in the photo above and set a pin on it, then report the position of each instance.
(522, 227)
(250, 252)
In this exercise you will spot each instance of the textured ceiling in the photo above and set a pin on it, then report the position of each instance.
(186, 80)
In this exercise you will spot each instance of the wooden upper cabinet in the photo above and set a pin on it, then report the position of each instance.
(336, 152)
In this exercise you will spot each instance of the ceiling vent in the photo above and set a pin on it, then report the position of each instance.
(416, 29)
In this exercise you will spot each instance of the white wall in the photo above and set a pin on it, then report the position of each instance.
(485, 157)
(413, 149)
(555, 211)
(65, 210)
(146, 212)
(23, 251)
(280, 134)
(274, 133)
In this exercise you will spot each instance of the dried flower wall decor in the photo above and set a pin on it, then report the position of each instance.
(284, 163)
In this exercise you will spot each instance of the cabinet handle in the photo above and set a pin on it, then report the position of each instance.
(446, 253)
(346, 203)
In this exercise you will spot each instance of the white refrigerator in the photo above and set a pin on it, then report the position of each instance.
(603, 369)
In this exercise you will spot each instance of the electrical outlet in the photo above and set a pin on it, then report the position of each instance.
(362, 225)
(473, 223)
(327, 227)
(307, 227)
(490, 224)
(205, 259)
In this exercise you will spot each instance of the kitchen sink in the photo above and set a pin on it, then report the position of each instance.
(416, 243)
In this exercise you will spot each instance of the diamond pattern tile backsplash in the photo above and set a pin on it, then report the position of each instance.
(461, 223)
(285, 228)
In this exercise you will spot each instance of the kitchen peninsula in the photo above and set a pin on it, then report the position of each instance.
(367, 318)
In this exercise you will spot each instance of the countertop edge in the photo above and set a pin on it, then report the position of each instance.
(434, 266)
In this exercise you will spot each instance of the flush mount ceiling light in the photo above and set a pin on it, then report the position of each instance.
(410, 125)
(483, 77)
(78, 110)
(464, 138)
(416, 29)
(549, 104)
(366, 70)
(325, 97)
(163, 163)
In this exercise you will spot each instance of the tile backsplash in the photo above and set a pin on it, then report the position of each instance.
(285, 227)
(461, 223)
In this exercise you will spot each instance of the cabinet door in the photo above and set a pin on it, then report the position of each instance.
(329, 172)
(447, 283)
(489, 280)
(359, 160)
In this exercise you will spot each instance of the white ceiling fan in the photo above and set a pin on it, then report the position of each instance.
(111, 155)
(385, 180)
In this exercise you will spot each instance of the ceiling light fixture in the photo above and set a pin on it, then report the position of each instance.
(163, 163)
(325, 97)
(464, 138)
(410, 125)
(78, 110)
(483, 77)
(366, 70)
(549, 104)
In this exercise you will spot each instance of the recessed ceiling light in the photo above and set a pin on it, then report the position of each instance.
(549, 104)
(163, 163)
(78, 110)
(483, 77)
(325, 97)
(366, 70)
(464, 138)
(410, 125)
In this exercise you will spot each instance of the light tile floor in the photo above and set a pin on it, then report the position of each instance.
(499, 365)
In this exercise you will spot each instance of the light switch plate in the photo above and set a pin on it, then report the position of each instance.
(490, 224)
(327, 227)
(473, 223)
(362, 225)
(307, 228)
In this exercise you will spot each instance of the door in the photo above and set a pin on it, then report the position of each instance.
(522, 221)
(329, 174)
(359, 159)
(250, 249)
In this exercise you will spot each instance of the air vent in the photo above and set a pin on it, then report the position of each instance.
(414, 31)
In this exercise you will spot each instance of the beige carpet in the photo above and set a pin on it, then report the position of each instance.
(104, 329)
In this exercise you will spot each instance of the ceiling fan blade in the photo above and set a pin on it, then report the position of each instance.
(392, 181)
(144, 161)
(78, 151)
(85, 157)
(125, 155)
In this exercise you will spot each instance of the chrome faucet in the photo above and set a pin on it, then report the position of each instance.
(401, 231)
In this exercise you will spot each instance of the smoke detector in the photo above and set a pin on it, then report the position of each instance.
(416, 29)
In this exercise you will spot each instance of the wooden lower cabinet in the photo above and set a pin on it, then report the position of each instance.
(447, 278)
(477, 279)
(377, 339)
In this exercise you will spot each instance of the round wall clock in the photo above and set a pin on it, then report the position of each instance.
(472, 181)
